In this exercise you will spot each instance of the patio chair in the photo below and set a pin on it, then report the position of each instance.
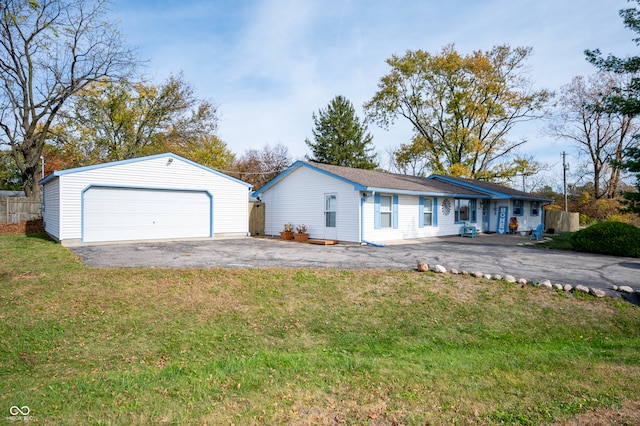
(537, 233)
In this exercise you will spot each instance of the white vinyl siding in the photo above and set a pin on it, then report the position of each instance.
(231, 198)
(299, 198)
(409, 221)
(51, 213)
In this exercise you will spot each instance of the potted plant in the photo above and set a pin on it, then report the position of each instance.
(301, 233)
(287, 234)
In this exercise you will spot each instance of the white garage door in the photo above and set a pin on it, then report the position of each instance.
(118, 214)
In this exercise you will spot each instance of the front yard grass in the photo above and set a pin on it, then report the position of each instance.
(558, 242)
(296, 346)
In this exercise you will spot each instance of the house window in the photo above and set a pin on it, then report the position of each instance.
(427, 211)
(386, 212)
(330, 207)
(535, 208)
(465, 210)
(518, 207)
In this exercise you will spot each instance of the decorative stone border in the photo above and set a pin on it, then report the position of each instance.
(424, 267)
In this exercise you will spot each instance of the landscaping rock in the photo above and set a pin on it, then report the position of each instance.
(497, 277)
(478, 274)
(522, 281)
(440, 269)
(455, 271)
(558, 286)
(596, 292)
(487, 276)
(510, 278)
(423, 267)
(625, 289)
(614, 287)
(582, 289)
(567, 287)
(546, 284)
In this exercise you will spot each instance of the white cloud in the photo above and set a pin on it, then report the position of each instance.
(272, 63)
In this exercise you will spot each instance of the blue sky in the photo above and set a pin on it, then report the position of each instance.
(269, 64)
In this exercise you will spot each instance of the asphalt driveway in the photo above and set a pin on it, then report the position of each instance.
(490, 254)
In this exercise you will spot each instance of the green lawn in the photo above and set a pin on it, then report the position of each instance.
(558, 242)
(296, 346)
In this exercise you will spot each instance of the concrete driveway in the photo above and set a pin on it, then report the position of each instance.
(490, 254)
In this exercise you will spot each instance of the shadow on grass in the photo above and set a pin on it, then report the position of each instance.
(39, 236)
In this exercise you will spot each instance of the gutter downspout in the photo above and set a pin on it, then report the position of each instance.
(362, 200)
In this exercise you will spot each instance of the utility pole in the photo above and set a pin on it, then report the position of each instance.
(565, 167)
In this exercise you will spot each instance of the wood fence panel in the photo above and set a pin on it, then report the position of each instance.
(19, 209)
(256, 219)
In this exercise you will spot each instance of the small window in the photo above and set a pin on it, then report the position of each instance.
(518, 207)
(535, 208)
(386, 211)
(427, 205)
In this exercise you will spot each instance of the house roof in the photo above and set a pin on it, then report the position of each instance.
(373, 180)
(494, 189)
(58, 173)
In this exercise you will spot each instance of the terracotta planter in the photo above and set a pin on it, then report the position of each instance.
(301, 237)
(286, 235)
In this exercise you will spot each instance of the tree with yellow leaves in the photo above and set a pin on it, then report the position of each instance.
(462, 109)
(118, 120)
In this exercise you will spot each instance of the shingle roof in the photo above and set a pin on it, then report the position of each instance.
(373, 180)
(382, 180)
(489, 186)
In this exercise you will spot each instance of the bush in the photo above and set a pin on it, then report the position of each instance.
(614, 238)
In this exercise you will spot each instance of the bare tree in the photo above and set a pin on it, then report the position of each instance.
(49, 50)
(258, 167)
(600, 135)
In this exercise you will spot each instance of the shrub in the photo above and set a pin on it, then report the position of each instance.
(614, 238)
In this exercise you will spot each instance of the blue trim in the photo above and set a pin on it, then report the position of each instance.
(435, 211)
(362, 239)
(531, 213)
(499, 195)
(513, 207)
(454, 181)
(58, 173)
(300, 163)
(145, 188)
(376, 211)
(421, 212)
(395, 212)
(473, 211)
(426, 193)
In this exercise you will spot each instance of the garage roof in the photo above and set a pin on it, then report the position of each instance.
(170, 155)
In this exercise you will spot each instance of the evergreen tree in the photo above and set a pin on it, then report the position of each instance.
(625, 100)
(339, 137)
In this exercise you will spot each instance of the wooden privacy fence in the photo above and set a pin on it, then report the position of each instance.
(19, 209)
(256, 219)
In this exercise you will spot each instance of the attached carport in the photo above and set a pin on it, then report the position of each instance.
(120, 214)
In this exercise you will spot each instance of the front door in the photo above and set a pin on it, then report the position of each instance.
(330, 216)
(485, 216)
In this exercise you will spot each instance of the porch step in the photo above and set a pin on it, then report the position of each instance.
(322, 242)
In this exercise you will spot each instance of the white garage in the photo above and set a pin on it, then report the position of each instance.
(150, 198)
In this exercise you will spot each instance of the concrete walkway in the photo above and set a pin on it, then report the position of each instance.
(490, 254)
